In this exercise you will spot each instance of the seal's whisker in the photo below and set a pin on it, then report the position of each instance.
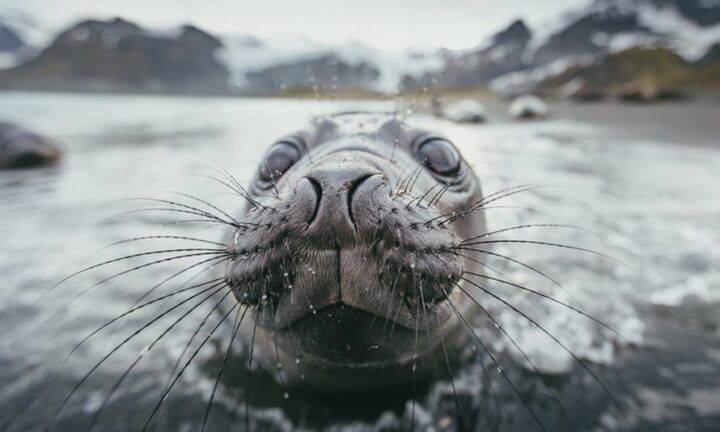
(447, 183)
(427, 192)
(239, 192)
(159, 237)
(104, 263)
(522, 352)
(554, 300)
(217, 259)
(582, 363)
(279, 367)
(461, 423)
(414, 367)
(512, 260)
(189, 342)
(486, 375)
(212, 206)
(190, 209)
(185, 366)
(238, 320)
(30, 401)
(486, 208)
(520, 263)
(451, 217)
(211, 223)
(148, 348)
(140, 267)
(124, 314)
(249, 370)
(237, 185)
(171, 210)
(519, 227)
(477, 261)
(498, 366)
(402, 186)
(390, 303)
(115, 349)
(543, 243)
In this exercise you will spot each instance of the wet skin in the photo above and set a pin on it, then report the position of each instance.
(344, 253)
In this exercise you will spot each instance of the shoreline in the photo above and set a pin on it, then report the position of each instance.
(692, 122)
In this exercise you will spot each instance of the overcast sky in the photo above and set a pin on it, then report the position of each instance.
(380, 23)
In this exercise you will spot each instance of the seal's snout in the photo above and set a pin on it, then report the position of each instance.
(347, 234)
(335, 192)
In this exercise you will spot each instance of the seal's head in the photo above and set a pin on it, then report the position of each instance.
(346, 253)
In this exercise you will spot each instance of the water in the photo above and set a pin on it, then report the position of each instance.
(653, 206)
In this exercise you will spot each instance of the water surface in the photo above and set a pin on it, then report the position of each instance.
(654, 206)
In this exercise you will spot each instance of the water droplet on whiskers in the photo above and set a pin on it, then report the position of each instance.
(286, 395)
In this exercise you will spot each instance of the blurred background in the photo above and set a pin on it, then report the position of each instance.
(612, 104)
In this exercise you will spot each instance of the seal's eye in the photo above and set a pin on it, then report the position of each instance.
(439, 156)
(280, 158)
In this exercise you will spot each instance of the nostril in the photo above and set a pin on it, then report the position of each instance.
(352, 188)
(318, 195)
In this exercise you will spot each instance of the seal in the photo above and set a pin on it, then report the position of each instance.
(21, 148)
(345, 256)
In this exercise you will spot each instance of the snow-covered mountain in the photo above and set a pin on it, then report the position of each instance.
(515, 55)
(20, 38)
(512, 60)
(688, 27)
(293, 61)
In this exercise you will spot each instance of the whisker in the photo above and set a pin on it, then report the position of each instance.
(514, 261)
(522, 264)
(519, 227)
(554, 338)
(586, 315)
(554, 394)
(115, 349)
(140, 267)
(159, 237)
(147, 349)
(497, 365)
(236, 191)
(123, 315)
(202, 201)
(185, 366)
(542, 243)
(87, 269)
(219, 259)
(450, 373)
(250, 362)
(222, 366)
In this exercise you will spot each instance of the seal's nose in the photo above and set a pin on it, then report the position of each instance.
(335, 191)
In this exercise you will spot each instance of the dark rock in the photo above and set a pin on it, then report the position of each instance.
(465, 111)
(20, 148)
(527, 107)
(588, 94)
(711, 56)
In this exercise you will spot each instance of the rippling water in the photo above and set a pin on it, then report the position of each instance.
(654, 207)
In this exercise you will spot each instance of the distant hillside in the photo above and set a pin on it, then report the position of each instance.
(658, 69)
(118, 55)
